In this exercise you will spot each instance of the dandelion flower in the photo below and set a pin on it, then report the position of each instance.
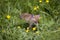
(34, 28)
(8, 16)
(27, 27)
(37, 32)
(27, 30)
(3, 30)
(47, 1)
(36, 7)
(40, 1)
(18, 27)
(58, 28)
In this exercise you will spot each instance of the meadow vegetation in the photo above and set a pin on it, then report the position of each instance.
(13, 28)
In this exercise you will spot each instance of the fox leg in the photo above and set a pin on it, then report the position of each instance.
(37, 25)
(30, 25)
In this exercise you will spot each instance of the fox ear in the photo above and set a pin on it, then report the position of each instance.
(38, 16)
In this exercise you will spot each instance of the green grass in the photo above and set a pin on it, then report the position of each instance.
(49, 24)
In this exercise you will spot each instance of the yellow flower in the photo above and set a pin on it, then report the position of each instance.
(3, 30)
(34, 28)
(47, 1)
(18, 27)
(58, 28)
(27, 30)
(40, 1)
(36, 7)
(27, 27)
(8, 16)
(37, 32)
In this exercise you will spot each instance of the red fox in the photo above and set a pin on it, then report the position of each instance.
(30, 18)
